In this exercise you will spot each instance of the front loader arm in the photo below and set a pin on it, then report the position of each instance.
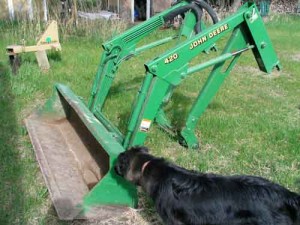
(254, 32)
(168, 71)
(123, 46)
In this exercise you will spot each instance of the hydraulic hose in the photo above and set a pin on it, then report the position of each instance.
(181, 10)
(204, 5)
(196, 6)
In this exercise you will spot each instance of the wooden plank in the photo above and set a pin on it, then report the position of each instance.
(42, 59)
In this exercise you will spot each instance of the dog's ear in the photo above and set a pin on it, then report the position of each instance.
(122, 164)
(142, 149)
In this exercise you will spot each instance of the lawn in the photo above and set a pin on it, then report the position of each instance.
(251, 127)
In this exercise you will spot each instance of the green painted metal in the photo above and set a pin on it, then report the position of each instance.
(212, 85)
(163, 74)
(173, 67)
(154, 95)
(111, 190)
(120, 48)
(217, 60)
(154, 44)
(137, 108)
(189, 23)
(264, 53)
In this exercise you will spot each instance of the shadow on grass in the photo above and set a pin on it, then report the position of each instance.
(147, 209)
(180, 109)
(11, 192)
(51, 217)
(51, 55)
(133, 84)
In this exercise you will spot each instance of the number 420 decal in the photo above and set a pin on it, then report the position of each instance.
(171, 58)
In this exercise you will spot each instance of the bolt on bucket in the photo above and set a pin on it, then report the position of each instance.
(76, 155)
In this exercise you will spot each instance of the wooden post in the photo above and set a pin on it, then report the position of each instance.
(11, 10)
(42, 59)
(30, 10)
(148, 9)
(45, 9)
(132, 11)
(74, 13)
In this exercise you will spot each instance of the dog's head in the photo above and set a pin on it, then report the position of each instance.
(129, 163)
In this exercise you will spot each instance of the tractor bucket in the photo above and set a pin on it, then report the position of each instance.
(76, 155)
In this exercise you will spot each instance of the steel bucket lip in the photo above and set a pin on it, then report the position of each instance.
(83, 205)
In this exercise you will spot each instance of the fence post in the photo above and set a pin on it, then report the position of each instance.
(264, 7)
(11, 10)
(45, 8)
(30, 10)
(297, 9)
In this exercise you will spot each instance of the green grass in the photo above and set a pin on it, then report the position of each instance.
(251, 127)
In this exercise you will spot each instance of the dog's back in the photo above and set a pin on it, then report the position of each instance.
(186, 197)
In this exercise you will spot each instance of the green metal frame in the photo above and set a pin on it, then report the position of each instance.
(167, 71)
(123, 47)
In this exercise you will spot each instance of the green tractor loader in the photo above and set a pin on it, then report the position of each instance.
(76, 145)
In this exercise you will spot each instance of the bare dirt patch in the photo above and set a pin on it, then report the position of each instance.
(130, 218)
(296, 57)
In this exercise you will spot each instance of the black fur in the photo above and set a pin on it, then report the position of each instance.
(186, 197)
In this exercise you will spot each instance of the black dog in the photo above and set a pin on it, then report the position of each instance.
(186, 197)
